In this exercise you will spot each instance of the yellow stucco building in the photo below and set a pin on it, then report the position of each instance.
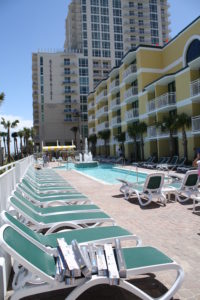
(150, 83)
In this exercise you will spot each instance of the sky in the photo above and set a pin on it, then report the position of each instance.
(27, 26)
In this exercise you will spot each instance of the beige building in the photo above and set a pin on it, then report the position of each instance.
(105, 30)
(100, 31)
(60, 87)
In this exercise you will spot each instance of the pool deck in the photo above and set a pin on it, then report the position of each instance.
(173, 229)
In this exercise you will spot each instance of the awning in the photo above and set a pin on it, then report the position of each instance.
(58, 148)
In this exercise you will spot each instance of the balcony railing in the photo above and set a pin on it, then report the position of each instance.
(102, 111)
(151, 132)
(116, 120)
(195, 87)
(90, 105)
(164, 101)
(114, 83)
(196, 124)
(129, 70)
(91, 131)
(130, 92)
(115, 103)
(154, 132)
(101, 96)
(132, 114)
(102, 126)
(91, 118)
(100, 142)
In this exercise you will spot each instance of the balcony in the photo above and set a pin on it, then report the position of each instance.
(69, 92)
(154, 133)
(196, 125)
(130, 70)
(195, 90)
(165, 102)
(101, 96)
(116, 121)
(103, 126)
(91, 131)
(69, 64)
(69, 82)
(72, 73)
(115, 104)
(114, 85)
(132, 115)
(102, 111)
(91, 118)
(130, 95)
(91, 105)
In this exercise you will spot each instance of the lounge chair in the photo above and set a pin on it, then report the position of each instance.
(170, 165)
(55, 209)
(184, 169)
(180, 163)
(48, 242)
(166, 161)
(46, 200)
(152, 165)
(187, 188)
(151, 189)
(46, 183)
(139, 164)
(53, 222)
(195, 198)
(37, 269)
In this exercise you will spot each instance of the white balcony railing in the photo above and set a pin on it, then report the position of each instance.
(116, 120)
(102, 126)
(195, 88)
(196, 124)
(115, 103)
(91, 131)
(165, 100)
(154, 132)
(102, 111)
(132, 114)
(102, 95)
(113, 84)
(130, 92)
(91, 118)
(151, 132)
(90, 105)
(129, 70)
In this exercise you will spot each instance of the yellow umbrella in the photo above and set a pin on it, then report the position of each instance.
(58, 148)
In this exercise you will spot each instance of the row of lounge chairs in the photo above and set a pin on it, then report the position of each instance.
(33, 225)
(156, 187)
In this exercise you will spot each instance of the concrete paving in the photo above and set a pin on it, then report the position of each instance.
(173, 229)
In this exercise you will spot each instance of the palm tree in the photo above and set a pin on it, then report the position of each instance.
(2, 97)
(121, 138)
(27, 134)
(33, 137)
(133, 130)
(104, 135)
(142, 130)
(4, 135)
(183, 121)
(21, 134)
(7, 125)
(14, 136)
(169, 124)
(75, 130)
(93, 140)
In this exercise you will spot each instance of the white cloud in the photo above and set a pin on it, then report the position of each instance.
(22, 122)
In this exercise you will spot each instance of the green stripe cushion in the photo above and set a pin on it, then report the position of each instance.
(86, 235)
(154, 182)
(139, 257)
(29, 251)
(191, 180)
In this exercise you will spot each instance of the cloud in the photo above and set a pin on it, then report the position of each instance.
(22, 122)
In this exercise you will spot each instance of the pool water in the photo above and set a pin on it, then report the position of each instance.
(108, 173)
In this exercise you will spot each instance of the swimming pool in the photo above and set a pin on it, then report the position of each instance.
(107, 173)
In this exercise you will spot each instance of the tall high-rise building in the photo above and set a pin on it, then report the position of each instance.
(98, 34)
(105, 30)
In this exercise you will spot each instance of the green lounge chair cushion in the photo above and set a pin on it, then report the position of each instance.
(154, 182)
(29, 251)
(191, 180)
(81, 235)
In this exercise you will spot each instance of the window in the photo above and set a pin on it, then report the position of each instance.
(140, 14)
(132, 21)
(118, 37)
(105, 27)
(153, 8)
(96, 35)
(106, 45)
(41, 61)
(155, 41)
(105, 19)
(117, 20)
(96, 44)
(84, 90)
(154, 32)
(85, 34)
(141, 39)
(41, 70)
(104, 11)
(117, 29)
(83, 62)
(131, 13)
(42, 89)
(83, 72)
(84, 9)
(132, 29)
(154, 25)
(84, 18)
(66, 71)
(118, 54)
(84, 108)
(66, 61)
(85, 52)
(83, 99)
(140, 6)
(106, 53)
(104, 3)
(94, 10)
(85, 44)
(95, 27)
(41, 80)
(154, 17)
(95, 18)
(84, 117)
(118, 46)
(67, 98)
(131, 4)
(84, 26)
(193, 51)
(117, 3)
(96, 53)
(141, 22)
(105, 36)
(141, 30)
(117, 12)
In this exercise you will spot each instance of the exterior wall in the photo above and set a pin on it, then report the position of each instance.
(164, 86)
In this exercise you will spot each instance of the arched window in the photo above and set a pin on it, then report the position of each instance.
(193, 51)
